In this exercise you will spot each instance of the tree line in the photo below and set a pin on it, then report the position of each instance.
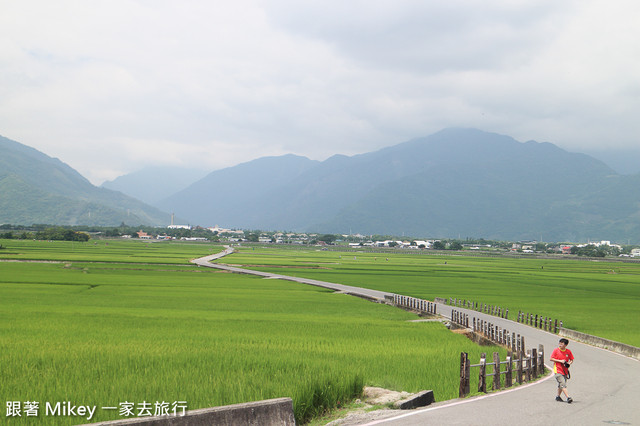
(53, 233)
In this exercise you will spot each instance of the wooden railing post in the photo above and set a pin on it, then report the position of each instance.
(464, 374)
(541, 359)
(520, 366)
(527, 370)
(496, 371)
(482, 376)
(534, 363)
(508, 377)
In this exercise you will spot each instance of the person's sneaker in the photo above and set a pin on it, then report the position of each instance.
(559, 399)
(569, 400)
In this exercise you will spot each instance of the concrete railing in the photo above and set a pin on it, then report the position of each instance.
(599, 342)
(271, 412)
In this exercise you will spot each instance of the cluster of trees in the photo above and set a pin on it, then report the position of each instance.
(53, 233)
(253, 237)
(595, 251)
(447, 245)
(82, 233)
(58, 233)
(326, 238)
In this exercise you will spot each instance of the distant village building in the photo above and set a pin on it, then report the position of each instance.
(143, 235)
(423, 244)
(219, 230)
(179, 227)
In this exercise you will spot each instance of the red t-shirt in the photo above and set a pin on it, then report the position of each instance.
(558, 367)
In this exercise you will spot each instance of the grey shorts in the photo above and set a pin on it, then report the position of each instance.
(562, 380)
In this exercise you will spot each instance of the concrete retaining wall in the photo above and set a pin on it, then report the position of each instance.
(271, 412)
(599, 342)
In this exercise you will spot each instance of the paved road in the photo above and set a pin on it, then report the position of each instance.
(355, 291)
(605, 386)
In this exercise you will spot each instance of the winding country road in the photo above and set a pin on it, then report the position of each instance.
(605, 386)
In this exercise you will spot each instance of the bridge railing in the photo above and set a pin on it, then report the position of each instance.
(533, 320)
(543, 323)
(520, 365)
(415, 304)
(523, 367)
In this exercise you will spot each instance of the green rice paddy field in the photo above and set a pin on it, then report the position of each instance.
(106, 323)
(595, 297)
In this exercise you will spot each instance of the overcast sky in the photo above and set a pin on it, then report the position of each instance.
(111, 86)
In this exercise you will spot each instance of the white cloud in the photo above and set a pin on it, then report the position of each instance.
(109, 86)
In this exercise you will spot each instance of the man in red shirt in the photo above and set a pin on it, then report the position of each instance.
(562, 358)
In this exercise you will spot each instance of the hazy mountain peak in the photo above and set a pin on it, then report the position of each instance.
(39, 189)
(458, 181)
(153, 183)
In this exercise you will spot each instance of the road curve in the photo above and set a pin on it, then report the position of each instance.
(605, 386)
(354, 291)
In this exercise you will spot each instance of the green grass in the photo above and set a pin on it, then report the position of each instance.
(106, 251)
(599, 298)
(97, 328)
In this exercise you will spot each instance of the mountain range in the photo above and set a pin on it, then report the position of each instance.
(35, 188)
(454, 183)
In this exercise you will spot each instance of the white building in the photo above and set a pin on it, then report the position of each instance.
(179, 227)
